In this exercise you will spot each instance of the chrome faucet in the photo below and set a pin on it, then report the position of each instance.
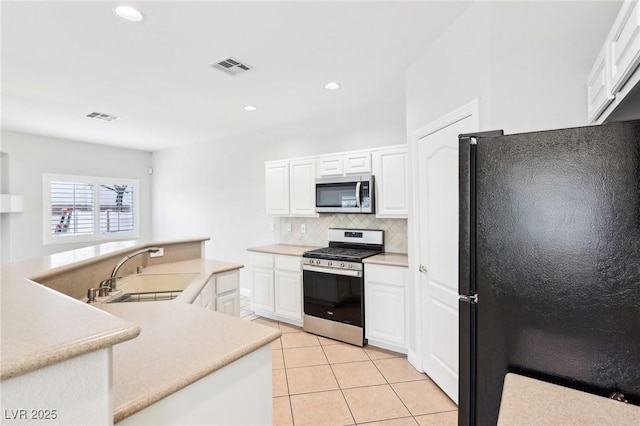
(111, 282)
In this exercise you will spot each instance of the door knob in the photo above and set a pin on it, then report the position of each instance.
(422, 268)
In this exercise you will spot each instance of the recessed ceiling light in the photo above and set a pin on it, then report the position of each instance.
(332, 85)
(128, 13)
(250, 108)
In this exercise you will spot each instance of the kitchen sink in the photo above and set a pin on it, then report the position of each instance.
(152, 287)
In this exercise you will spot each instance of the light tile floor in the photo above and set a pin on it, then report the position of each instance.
(319, 381)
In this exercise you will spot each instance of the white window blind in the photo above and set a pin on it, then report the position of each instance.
(80, 208)
(71, 208)
(116, 209)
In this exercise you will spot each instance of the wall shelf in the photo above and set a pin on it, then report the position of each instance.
(11, 203)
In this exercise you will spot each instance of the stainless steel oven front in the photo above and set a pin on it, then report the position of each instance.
(334, 299)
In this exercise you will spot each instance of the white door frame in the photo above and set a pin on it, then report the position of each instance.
(470, 109)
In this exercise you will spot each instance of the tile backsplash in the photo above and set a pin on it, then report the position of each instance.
(395, 230)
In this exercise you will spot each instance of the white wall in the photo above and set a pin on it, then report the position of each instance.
(217, 188)
(526, 62)
(29, 156)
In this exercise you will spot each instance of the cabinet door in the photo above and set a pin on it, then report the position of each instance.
(598, 89)
(229, 304)
(277, 188)
(262, 289)
(391, 174)
(625, 44)
(384, 309)
(288, 287)
(303, 188)
(207, 296)
(357, 163)
(330, 166)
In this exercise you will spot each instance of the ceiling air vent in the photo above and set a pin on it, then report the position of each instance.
(232, 66)
(102, 116)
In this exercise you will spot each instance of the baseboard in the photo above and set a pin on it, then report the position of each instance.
(278, 318)
(412, 357)
(387, 346)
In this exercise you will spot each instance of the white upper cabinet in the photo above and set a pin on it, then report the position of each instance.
(290, 188)
(625, 44)
(302, 201)
(359, 162)
(291, 184)
(277, 188)
(390, 168)
(330, 166)
(344, 164)
(598, 87)
(615, 72)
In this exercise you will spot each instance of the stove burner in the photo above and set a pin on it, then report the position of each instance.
(340, 253)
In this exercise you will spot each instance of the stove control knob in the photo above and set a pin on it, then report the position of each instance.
(330, 263)
(351, 266)
(342, 265)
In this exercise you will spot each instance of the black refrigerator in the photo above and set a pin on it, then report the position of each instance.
(549, 261)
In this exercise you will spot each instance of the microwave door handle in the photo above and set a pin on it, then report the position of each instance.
(358, 193)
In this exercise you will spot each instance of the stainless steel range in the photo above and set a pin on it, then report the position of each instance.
(333, 284)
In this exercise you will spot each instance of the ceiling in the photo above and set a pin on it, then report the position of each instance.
(64, 60)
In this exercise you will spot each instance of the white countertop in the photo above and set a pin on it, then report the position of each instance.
(283, 249)
(182, 342)
(389, 259)
(526, 401)
(179, 344)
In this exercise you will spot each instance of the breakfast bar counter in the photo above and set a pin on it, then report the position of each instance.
(124, 359)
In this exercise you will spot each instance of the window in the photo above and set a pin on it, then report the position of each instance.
(81, 208)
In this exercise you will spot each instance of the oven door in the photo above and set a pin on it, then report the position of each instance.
(332, 294)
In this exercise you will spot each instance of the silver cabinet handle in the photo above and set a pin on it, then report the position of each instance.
(422, 268)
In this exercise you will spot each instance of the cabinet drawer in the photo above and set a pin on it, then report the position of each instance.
(227, 282)
(391, 275)
(288, 263)
(262, 260)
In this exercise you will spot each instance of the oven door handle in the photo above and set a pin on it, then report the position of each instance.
(344, 272)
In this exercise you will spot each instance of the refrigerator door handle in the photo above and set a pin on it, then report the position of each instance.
(471, 299)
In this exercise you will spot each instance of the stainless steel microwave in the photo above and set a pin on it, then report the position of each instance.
(349, 194)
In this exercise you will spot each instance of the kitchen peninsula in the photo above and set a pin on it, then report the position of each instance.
(64, 361)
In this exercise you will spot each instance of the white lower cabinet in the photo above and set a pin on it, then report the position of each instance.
(288, 287)
(385, 306)
(276, 289)
(221, 293)
(228, 304)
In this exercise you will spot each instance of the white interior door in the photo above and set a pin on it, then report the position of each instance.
(436, 244)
